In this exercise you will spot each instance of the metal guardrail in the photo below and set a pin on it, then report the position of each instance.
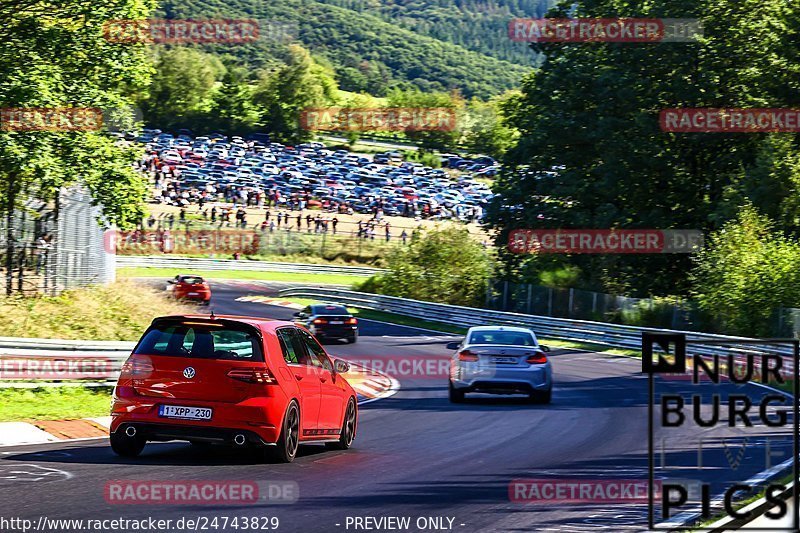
(614, 335)
(64, 361)
(191, 263)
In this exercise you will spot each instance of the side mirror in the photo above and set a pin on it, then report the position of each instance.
(544, 348)
(341, 366)
(453, 345)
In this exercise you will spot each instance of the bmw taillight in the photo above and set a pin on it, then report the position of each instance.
(320, 321)
(137, 367)
(466, 355)
(538, 358)
(351, 321)
(252, 375)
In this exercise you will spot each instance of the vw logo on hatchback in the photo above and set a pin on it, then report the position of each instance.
(188, 372)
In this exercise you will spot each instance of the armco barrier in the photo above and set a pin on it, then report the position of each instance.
(614, 335)
(49, 360)
(191, 263)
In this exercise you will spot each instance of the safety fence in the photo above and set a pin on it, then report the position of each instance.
(50, 247)
(614, 335)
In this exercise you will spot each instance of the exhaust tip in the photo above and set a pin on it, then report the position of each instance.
(239, 439)
(130, 431)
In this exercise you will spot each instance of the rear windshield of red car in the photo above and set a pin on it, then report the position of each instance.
(226, 341)
(192, 280)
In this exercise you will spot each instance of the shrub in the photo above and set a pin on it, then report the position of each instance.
(746, 271)
(443, 265)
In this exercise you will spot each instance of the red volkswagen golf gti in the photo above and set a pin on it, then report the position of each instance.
(191, 288)
(244, 382)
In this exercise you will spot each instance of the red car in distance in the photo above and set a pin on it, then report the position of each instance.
(243, 382)
(188, 287)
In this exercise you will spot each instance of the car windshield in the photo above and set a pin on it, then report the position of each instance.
(330, 310)
(506, 338)
(192, 280)
(227, 341)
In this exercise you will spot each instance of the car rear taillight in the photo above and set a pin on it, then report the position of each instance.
(137, 367)
(351, 321)
(466, 355)
(538, 358)
(320, 321)
(252, 375)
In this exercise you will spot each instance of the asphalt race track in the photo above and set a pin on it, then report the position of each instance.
(416, 455)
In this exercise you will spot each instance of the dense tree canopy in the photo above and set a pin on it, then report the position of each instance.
(54, 55)
(592, 154)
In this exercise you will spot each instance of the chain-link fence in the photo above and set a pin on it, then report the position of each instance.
(50, 247)
(670, 313)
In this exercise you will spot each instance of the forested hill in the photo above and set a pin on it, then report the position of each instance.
(374, 45)
(477, 25)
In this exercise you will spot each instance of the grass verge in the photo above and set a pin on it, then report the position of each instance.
(54, 403)
(120, 311)
(320, 279)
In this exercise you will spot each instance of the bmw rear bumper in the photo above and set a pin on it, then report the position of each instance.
(469, 377)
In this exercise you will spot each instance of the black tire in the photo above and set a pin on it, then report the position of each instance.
(456, 396)
(285, 450)
(348, 432)
(353, 339)
(126, 446)
(542, 397)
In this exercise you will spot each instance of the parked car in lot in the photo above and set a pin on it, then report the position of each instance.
(190, 287)
(308, 171)
(329, 321)
(252, 383)
(500, 360)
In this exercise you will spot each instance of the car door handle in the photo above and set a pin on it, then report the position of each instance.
(298, 377)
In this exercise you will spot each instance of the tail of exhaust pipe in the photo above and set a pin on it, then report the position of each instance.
(130, 431)
(239, 439)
